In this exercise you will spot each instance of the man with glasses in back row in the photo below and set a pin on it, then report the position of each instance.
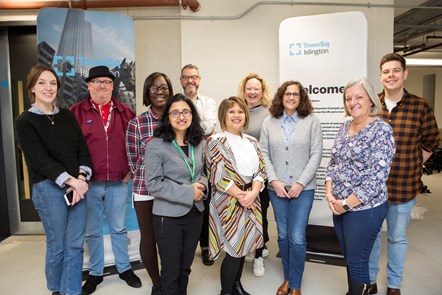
(208, 111)
(104, 121)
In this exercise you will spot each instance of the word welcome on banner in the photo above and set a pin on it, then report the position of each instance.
(324, 52)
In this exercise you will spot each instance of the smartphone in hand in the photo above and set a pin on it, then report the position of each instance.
(68, 196)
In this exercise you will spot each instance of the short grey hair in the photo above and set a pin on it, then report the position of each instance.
(190, 66)
(369, 89)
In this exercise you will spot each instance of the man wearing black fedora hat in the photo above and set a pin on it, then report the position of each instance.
(104, 121)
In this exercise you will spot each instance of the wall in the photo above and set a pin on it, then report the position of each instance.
(225, 50)
(414, 85)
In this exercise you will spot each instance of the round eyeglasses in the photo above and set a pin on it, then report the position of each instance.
(154, 89)
(176, 114)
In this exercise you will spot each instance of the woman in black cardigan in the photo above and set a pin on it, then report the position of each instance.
(59, 165)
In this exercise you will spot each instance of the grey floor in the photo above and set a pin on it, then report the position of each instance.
(22, 263)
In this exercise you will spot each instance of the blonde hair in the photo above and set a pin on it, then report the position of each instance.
(265, 88)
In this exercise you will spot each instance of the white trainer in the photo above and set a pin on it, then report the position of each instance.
(250, 257)
(265, 252)
(258, 267)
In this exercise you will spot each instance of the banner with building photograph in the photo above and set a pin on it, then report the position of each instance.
(72, 41)
(324, 52)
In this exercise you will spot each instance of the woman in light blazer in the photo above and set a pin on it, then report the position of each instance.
(176, 178)
(291, 142)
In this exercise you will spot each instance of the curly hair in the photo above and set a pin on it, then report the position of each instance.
(265, 88)
(304, 108)
(148, 83)
(194, 134)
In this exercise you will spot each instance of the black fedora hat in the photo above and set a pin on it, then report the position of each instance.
(99, 71)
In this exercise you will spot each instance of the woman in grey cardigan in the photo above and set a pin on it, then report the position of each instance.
(291, 143)
(176, 178)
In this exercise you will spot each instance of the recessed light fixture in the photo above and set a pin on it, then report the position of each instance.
(423, 62)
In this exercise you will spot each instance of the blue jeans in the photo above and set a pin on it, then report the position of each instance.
(398, 218)
(356, 232)
(64, 228)
(291, 217)
(107, 198)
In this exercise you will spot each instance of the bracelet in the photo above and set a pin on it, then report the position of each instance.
(82, 174)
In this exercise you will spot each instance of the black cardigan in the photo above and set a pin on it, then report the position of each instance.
(50, 149)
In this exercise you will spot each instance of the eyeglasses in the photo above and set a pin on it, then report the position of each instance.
(193, 77)
(99, 82)
(288, 94)
(154, 89)
(185, 113)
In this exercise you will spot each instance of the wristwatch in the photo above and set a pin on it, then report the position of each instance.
(345, 206)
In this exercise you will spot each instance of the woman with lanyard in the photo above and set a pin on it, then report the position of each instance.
(176, 178)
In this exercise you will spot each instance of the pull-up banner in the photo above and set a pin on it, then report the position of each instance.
(324, 52)
(72, 41)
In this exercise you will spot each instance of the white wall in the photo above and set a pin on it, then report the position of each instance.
(226, 50)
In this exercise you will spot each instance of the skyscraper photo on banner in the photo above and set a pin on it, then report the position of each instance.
(72, 41)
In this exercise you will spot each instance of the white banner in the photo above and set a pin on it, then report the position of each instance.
(324, 52)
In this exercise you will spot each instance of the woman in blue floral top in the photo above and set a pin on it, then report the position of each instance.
(356, 178)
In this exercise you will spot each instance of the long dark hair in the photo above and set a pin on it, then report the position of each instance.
(304, 108)
(194, 134)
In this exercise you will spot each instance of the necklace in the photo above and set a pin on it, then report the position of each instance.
(51, 119)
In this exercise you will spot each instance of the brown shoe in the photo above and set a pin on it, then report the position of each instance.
(393, 291)
(373, 288)
(283, 289)
(295, 292)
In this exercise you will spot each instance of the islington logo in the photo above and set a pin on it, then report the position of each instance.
(80, 62)
(309, 48)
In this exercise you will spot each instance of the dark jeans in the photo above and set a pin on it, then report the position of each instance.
(357, 231)
(177, 238)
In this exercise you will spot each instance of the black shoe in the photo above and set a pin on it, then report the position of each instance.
(373, 288)
(56, 293)
(91, 284)
(205, 257)
(238, 289)
(357, 288)
(130, 278)
(278, 255)
(156, 290)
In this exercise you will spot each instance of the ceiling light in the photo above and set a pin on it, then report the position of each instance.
(423, 62)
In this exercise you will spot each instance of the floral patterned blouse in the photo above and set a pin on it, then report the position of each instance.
(360, 163)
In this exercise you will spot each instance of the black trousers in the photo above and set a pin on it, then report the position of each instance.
(177, 238)
(204, 236)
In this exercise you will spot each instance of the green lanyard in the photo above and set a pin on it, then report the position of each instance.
(192, 156)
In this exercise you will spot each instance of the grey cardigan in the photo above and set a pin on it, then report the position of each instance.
(300, 156)
(168, 179)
